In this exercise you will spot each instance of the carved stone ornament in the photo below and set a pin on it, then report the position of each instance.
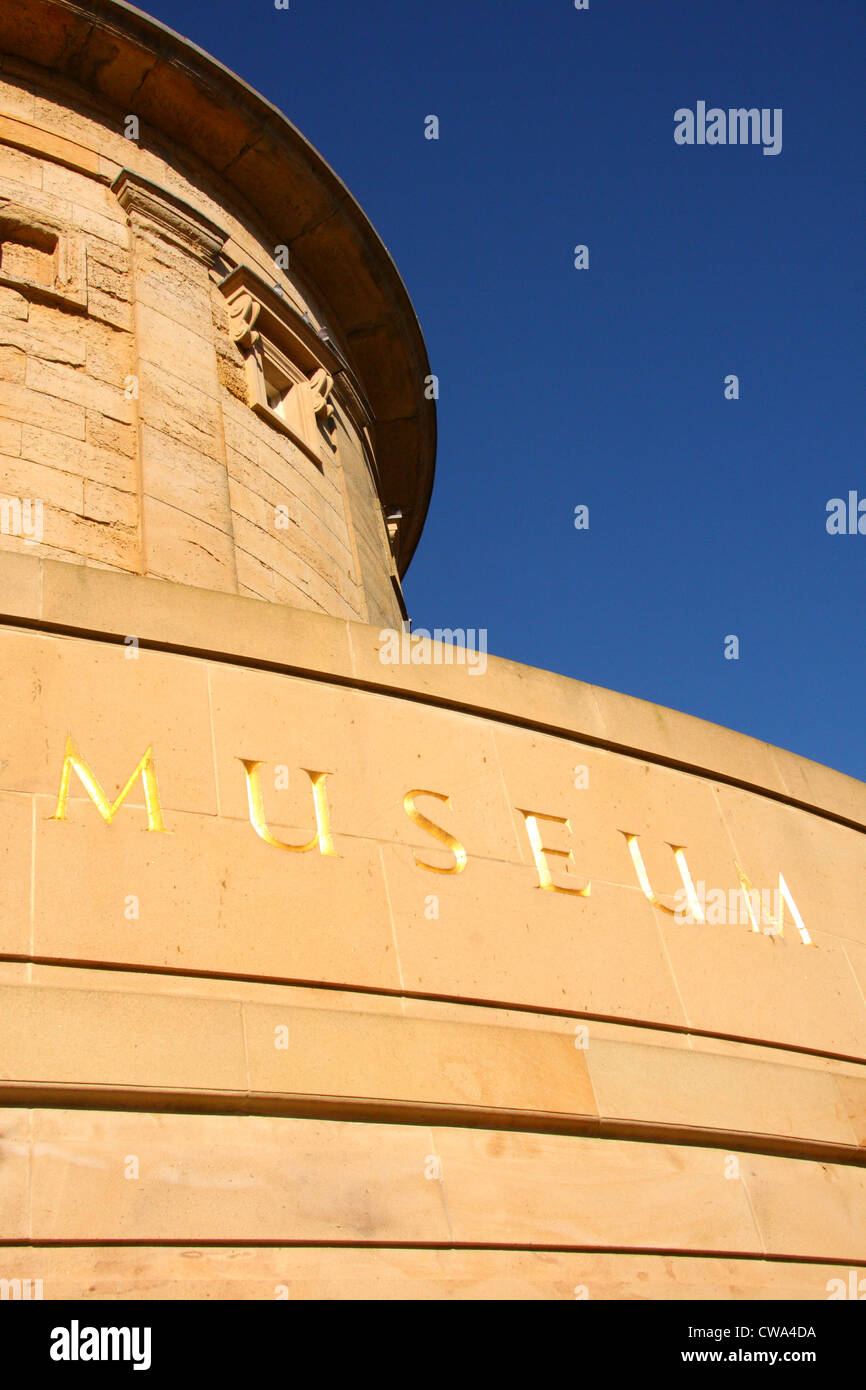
(290, 369)
(243, 312)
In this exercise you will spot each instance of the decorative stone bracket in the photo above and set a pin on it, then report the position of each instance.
(290, 369)
(393, 518)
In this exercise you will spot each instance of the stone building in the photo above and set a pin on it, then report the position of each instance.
(332, 966)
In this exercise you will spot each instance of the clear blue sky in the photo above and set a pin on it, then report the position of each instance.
(606, 387)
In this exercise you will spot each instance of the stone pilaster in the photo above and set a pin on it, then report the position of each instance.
(185, 506)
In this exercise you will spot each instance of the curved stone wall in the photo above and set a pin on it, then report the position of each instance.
(270, 1030)
(334, 962)
(195, 384)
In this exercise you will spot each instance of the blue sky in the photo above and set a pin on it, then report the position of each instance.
(605, 387)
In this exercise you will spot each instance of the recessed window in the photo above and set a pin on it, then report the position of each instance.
(276, 392)
(29, 255)
(41, 258)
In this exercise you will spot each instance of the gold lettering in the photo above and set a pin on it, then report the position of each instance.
(647, 888)
(540, 851)
(322, 837)
(443, 836)
(776, 928)
(73, 762)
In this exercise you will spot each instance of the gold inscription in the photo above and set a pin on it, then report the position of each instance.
(443, 836)
(760, 915)
(647, 888)
(540, 852)
(322, 837)
(73, 762)
(754, 899)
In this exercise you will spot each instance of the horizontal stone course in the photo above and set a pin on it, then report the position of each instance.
(321, 644)
(255, 1178)
(370, 1273)
(71, 1031)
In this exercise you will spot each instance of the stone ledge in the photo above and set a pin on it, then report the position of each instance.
(80, 599)
(94, 1271)
(258, 1179)
(77, 1037)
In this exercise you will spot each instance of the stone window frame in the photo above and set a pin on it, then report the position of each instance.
(26, 226)
(284, 359)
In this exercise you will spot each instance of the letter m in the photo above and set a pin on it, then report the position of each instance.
(757, 909)
(447, 636)
(73, 762)
(10, 1288)
(743, 125)
(115, 1343)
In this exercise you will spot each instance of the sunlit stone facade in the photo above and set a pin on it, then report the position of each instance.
(326, 971)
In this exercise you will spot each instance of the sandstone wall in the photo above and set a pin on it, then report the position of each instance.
(125, 399)
(345, 1074)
